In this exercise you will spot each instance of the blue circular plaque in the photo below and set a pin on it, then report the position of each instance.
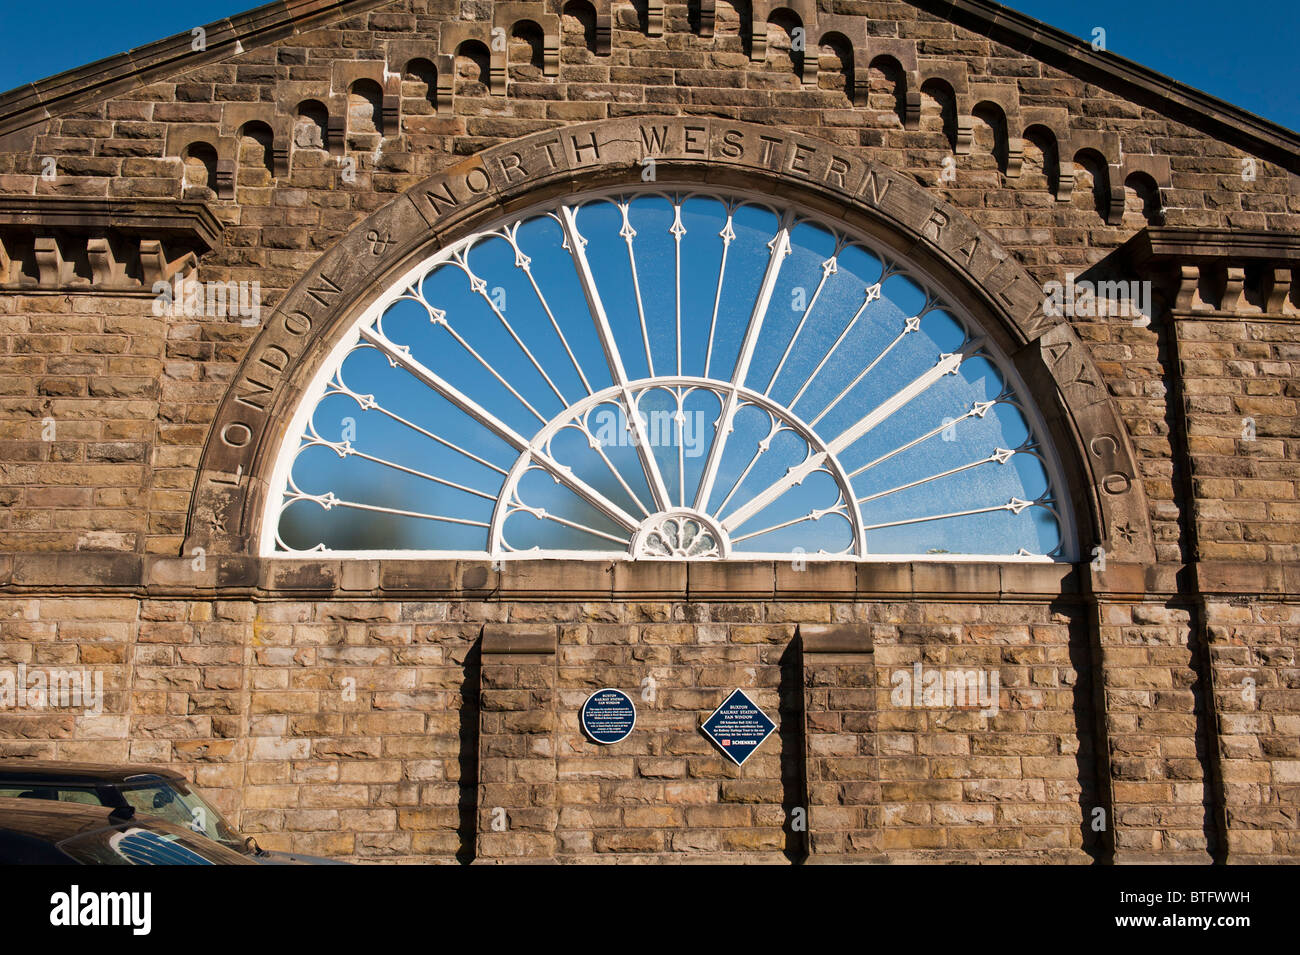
(608, 716)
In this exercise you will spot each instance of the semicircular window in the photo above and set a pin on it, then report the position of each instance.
(666, 374)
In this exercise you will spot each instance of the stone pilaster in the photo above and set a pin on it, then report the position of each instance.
(1157, 712)
(842, 778)
(516, 767)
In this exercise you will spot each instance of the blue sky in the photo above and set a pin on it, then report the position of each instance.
(1245, 57)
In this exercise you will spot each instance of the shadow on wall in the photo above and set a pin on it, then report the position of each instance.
(794, 783)
(467, 804)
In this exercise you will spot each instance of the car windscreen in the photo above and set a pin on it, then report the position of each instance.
(174, 802)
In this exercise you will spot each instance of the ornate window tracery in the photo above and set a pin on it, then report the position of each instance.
(667, 373)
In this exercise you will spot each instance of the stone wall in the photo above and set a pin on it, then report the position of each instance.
(381, 728)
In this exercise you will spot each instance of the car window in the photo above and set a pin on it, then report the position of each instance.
(181, 806)
(150, 800)
(83, 796)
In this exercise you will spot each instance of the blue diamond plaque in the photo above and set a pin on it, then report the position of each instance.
(738, 727)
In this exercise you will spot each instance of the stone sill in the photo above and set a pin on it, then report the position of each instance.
(534, 579)
(236, 576)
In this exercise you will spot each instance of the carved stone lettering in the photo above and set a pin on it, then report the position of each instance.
(1104, 446)
(939, 221)
(654, 140)
(477, 181)
(733, 144)
(696, 140)
(379, 242)
(236, 434)
(440, 197)
(589, 149)
(323, 290)
(799, 157)
(270, 360)
(836, 170)
(512, 167)
(312, 310)
(1116, 483)
(551, 148)
(1037, 322)
(875, 187)
(256, 396)
(1056, 351)
(222, 477)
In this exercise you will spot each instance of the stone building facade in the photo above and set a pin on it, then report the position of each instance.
(426, 708)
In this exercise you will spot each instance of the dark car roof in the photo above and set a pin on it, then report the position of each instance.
(30, 770)
(54, 821)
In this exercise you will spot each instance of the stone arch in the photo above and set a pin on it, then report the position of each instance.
(835, 65)
(579, 19)
(473, 68)
(999, 294)
(199, 172)
(365, 108)
(311, 125)
(525, 51)
(420, 85)
(788, 13)
(1143, 205)
(887, 88)
(1042, 164)
(785, 31)
(939, 109)
(255, 160)
(1092, 172)
(990, 134)
(732, 20)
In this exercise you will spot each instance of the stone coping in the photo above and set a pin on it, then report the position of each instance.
(155, 218)
(233, 577)
(1176, 244)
